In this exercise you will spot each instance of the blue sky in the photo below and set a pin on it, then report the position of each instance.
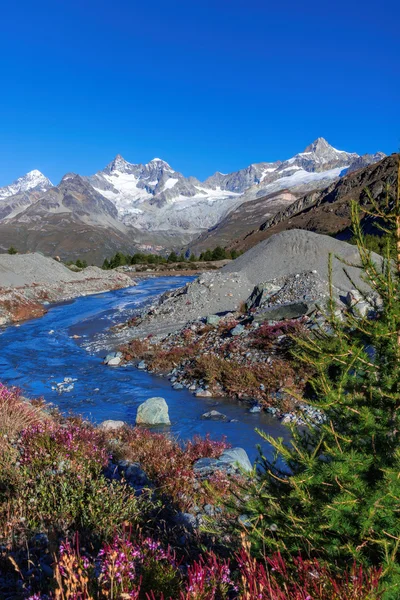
(206, 85)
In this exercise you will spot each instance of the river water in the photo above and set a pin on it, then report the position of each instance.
(38, 354)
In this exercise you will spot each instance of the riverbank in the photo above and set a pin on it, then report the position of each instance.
(122, 512)
(29, 282)
(67, 346)
(231, 333)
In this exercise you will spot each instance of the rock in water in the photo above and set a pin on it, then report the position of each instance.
(114, 362)
(153, 412)
(214, 415)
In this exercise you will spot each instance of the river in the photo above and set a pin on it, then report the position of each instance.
(38, 354)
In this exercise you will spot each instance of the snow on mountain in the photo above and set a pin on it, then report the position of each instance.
(32, 181)
(155, 197)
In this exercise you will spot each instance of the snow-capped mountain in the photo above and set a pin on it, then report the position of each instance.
(154, 204)
(32, 181)
(20, 194)
(155, 197)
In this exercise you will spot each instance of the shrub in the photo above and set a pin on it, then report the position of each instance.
(238, 378)
(169, 464)
(17, 414)
(144, 570)
(63, 446)
(267, 335)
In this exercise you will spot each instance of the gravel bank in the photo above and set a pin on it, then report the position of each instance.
(282, 256)
(29, 280)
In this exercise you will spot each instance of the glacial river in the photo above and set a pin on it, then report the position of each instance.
(39, 354)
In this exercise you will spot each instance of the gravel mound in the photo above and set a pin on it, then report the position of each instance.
(26, 269)
(296, 251)
(28, 280)
(297, 260)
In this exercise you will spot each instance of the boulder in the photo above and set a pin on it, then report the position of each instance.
(238, 330)
(214, 415)
(200, 393)
(236, 457)
(213, 320)
(261, 294)
(133, 474)
(186, 520)
(114, 362)
(113, 358)
(232, 461)
(153, 412)
(281, 312)
(205, 467)
(111, 425)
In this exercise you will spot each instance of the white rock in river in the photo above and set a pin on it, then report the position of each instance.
(114, 362)
(153, 412)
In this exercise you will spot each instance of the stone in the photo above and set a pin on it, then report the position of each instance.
(244, 520)
(255, 409)
(214, 415)
(236, 457)
(353, 297)
(231, 461)
(213, 320)
(177, 386)
(142, 365)
(238, 330)
(110, 425)
(133, 473)
(201, 393)
(261, 294)
(114, 362)
(153, 412)
(204, 467)
(281, 312)
(209, 510)
(112, 355)
(186, 520)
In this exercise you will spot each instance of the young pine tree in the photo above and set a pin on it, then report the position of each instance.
(341, 500)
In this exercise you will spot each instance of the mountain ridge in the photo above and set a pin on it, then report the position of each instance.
(153, 204)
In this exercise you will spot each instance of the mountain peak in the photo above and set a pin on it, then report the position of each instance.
(33, 180)
(319, 145)
(118, 163)
(159, 161)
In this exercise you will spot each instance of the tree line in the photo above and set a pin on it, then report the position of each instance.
(120, 259)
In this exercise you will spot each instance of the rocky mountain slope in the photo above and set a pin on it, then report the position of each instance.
(155, 197)
(126, 205)
(71, 220)
(328, 210)
(29, 280)
(20, 194)
(32, 181)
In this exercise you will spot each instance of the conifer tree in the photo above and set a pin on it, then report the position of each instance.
(336, 493)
